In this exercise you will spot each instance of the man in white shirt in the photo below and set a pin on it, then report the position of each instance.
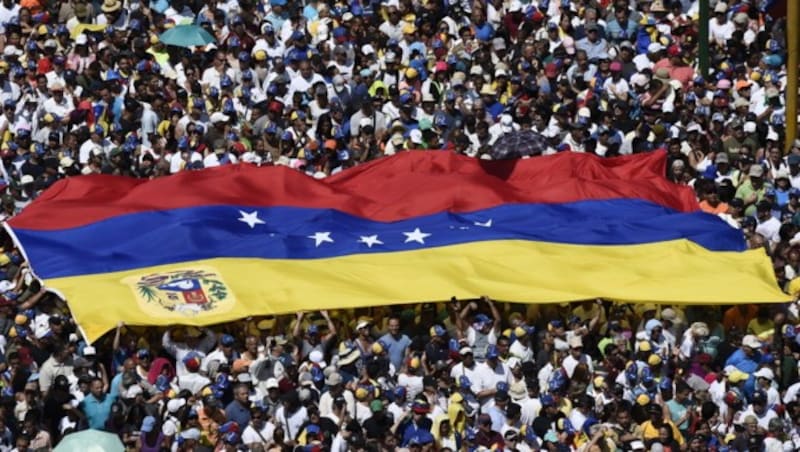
(576, 356)
(467, 366)
(768, 226)
(489, 373)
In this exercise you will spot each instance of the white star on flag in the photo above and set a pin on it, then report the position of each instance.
(321, 237)
(416, 236)
(370, 240)
(487, 224)
(250, 218)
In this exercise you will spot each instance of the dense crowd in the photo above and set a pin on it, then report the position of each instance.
(88, 87)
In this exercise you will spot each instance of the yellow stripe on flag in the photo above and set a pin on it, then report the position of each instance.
(219, 290)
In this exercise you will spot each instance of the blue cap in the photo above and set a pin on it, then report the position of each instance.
(148, 424)
(227, 340)
(491, 351)
(547, 400)
(233, 41)
(557, 324)
(482, 318)
(343, 155)
(162, 383)
(312, 429)
(199, 103)
(438, 330)
(313, 329)
(665, 384)
(502, 386)
(297, 35)
(225, 81)
(183, 143)
(229, 426)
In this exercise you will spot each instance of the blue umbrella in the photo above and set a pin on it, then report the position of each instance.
(186, 36)
(518, 143)
(90, 441)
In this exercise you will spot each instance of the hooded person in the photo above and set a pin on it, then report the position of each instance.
(444, 434)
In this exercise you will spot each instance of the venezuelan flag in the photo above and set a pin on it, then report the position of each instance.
(236, 241)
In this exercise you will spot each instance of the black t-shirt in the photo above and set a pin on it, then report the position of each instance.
(376, 427)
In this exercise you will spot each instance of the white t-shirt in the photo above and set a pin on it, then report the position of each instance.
(251, 435)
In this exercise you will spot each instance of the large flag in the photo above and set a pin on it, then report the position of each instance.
(236, 241)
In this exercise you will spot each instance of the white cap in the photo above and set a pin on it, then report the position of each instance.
(362, 324)
(415, 136)
(751, 341)
(317, 358)
(89, 351)
(272, 383)
(26, 179)
(219, 117)
(175, 405)
(765, 372)
(749, 127)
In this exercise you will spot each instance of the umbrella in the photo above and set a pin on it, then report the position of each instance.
(518, 143)
(90, 441)
(186, 36)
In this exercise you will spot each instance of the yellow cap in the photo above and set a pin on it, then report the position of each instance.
(456, 398)
(409, 29)
(654, 360)
(643, 399)
(361, 393)
(377, 348)
(21, 319)
(520, 331)
(260, 55)
(414, 363)
(43, 30)
(411, 73)
(644, 346)
(737, 375)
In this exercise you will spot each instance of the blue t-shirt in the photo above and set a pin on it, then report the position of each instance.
(397, 348)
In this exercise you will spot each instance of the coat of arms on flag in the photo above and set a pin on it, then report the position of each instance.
(184, 293)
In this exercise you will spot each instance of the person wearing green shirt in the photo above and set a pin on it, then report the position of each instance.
(752, 190)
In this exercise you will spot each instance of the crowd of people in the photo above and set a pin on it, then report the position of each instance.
(320, 86)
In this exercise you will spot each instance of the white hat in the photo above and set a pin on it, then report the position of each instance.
(12, 51)
(765, 372)
(415, 136)
(192, 433)
(133, 391)
(367, 49)
(721, 7)
(465, 350)
(175, 404)
(575, 342)
(219, 117)
(89, 351)
(363, 324)
(272, 383)
(636, 445)
(513, 362)
(317, 358)
(560, 345)
(26, 179)
(749, 127)
(751, 341)
(654, 47)
(244, 378)
(639, 79)
(66, 162)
